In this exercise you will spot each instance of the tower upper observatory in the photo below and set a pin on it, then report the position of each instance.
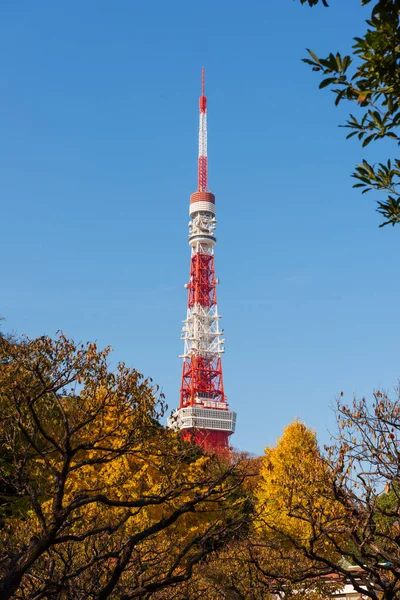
(203, 414)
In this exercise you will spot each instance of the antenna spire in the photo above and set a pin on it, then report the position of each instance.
(203, 99)
(203, 159)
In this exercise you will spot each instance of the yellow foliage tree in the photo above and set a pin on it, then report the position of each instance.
(99, 500)
(296, 513)
(294, 488)
(327, 515)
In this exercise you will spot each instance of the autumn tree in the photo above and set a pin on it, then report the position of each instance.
(294, 491)
(251, 569)
(340, 511)
(366, 482)
(260, 563)
(369, 78)
(98, 499)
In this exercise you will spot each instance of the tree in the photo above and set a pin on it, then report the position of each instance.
(369, 77)
(261, 562)
(294, 492)
(349, 520)
(98, 499)
(292, 474)
(251, 569)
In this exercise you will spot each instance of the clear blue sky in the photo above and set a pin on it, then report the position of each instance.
(98, 154)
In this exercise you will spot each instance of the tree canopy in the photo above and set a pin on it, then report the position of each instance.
(294, 485)
(97, 499)
(338, 511)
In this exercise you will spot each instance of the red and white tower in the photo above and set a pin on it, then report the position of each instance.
(203, 414)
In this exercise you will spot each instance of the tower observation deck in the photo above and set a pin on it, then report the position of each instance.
(203, 415)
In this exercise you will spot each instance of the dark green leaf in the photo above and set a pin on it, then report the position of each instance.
(327, 81)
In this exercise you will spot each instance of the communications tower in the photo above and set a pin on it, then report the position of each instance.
(203, 415)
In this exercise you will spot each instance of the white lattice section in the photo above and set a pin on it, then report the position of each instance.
(203, 134)
(196, 417)
(201, 332)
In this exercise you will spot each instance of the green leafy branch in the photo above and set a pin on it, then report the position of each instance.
(370, 77)
(384, 178)
(314, 2)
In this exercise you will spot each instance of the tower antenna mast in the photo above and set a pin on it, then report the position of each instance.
(203, 158)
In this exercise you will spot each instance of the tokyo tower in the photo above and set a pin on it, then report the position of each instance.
(203, 415)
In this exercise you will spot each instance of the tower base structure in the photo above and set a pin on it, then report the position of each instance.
(207, 426)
